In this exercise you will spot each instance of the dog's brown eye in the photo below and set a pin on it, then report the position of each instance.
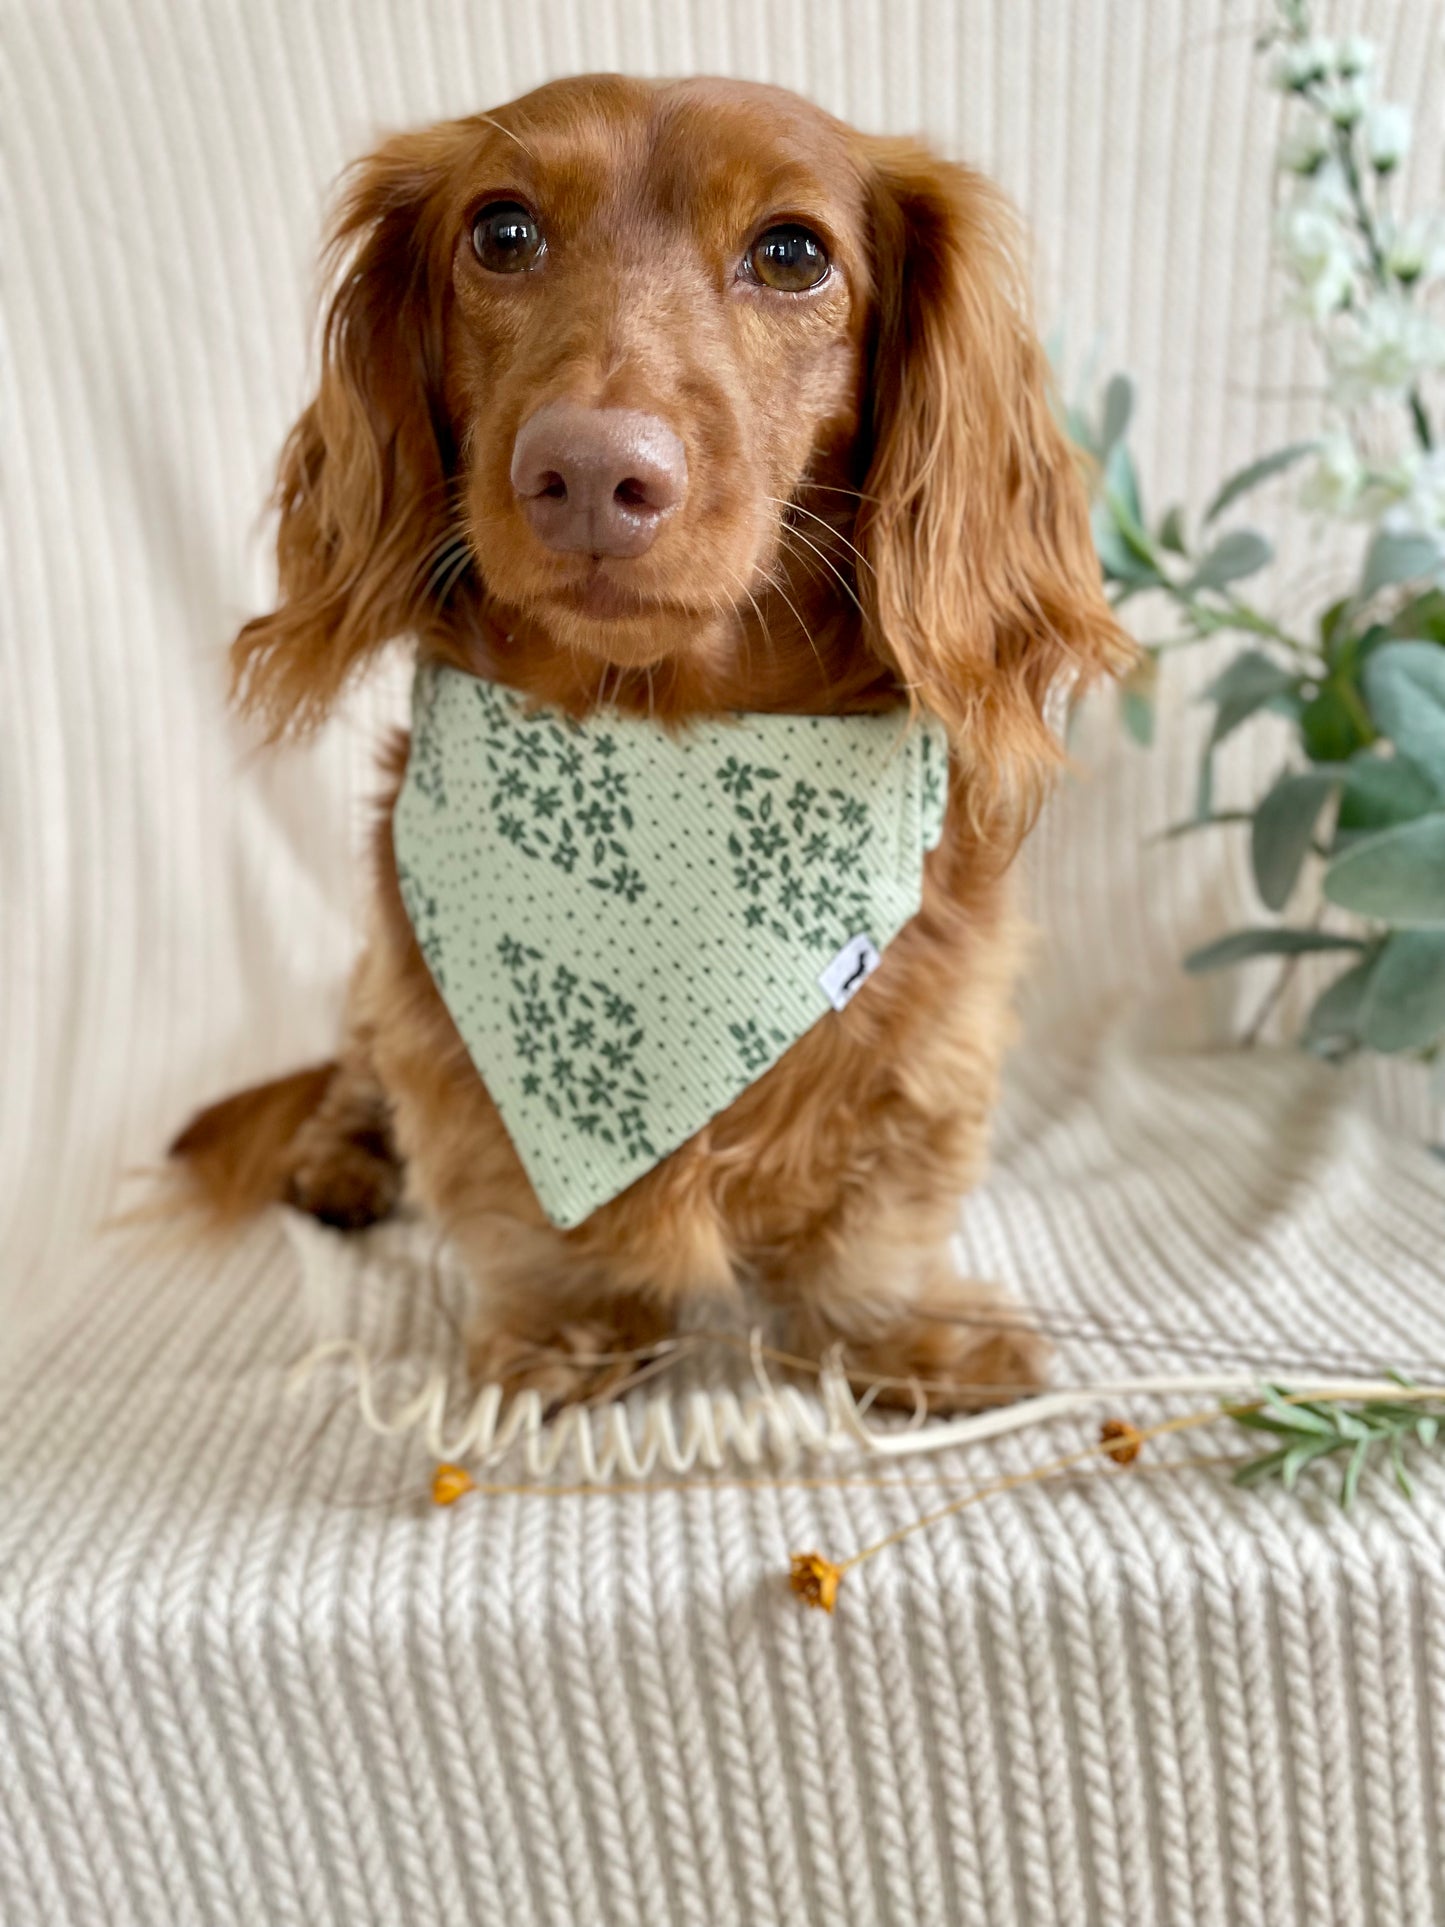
(507, 238)
(788, 257)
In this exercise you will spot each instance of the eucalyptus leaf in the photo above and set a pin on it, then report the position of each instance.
(1234, 556)
(1118, 408)
(1121, 492)
(1137, 710)
(1119, 560)
(1080, 431)
(1284, 825)
(1405, 688)
(1335, 1018)
(1137, 698)
(1334, 626)
(1249, 478)
(1422, 617)
(1171, 532)
(1381, 790)
(1204, 787)
(1240, 945)
(1393, 558)
(1330, 727)
(1404, 1006)
(1250, 682)
(1397, 875)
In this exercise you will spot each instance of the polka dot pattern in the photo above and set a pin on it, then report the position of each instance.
(629, 925)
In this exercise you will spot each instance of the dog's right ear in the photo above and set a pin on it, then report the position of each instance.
(364, 482)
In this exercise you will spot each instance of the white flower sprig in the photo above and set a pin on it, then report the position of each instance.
(1359, 273)
(1359, 806)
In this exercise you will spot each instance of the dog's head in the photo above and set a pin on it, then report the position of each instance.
(692, 387)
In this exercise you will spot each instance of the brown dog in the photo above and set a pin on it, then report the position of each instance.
(686, 398)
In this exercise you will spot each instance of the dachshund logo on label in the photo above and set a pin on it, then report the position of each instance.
(849, 971)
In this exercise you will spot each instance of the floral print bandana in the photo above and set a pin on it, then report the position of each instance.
(630, 924)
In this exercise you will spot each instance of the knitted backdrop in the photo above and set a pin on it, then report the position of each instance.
(246, 1672)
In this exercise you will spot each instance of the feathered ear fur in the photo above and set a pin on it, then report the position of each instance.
(984, 584)
(364, 480)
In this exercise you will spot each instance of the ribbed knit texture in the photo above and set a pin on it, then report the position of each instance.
(246, 1673)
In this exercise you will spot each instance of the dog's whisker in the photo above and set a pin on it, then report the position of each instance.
(832, 488)
(797, 507)
(806, 632)
(488, 121)
(737, 578)
(843, 581)
(450, 570)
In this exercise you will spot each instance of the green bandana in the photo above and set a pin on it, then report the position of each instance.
(629, 926)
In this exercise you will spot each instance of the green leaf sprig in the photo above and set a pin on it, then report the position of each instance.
(1310, 1430)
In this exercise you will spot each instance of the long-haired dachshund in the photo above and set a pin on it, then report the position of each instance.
(675, 401)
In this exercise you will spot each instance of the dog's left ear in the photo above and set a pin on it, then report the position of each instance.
(984, 584)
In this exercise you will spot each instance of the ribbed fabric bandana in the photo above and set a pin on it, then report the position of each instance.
(630, 925)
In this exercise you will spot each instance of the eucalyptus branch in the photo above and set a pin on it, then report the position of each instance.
(1235, 614)
(1275, 994)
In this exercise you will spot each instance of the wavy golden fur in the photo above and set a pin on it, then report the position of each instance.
(881, 510)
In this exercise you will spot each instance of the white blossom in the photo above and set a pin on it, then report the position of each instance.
(1334, 484)
(1421, 510)
(1303, 61)
(1316, 250)
(1386, 351)
(1304, 148)
(1416, 250)
(1329, 191)
(1355, 55)
(1345, 100)
(1387, 135)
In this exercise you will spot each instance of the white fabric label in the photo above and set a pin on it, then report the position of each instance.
(849, 971)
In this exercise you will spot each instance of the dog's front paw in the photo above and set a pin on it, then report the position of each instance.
(349, 1182)
(579, 1359)
(959, 1348)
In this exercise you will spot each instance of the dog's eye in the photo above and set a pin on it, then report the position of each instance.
(788, 257)
(507, 238)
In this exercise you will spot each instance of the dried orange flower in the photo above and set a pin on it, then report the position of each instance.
(449, 1482)
(815, 1579)
(1128, 1440)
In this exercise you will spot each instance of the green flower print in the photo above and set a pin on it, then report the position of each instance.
(785, 835)
(548, 805)
(422, 909)
(580, 1041)
(424, 758)
(935, 776)
(756, 1047)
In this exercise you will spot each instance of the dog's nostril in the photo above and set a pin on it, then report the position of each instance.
(597, 481)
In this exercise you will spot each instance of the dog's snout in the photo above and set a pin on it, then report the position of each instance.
(597, 481)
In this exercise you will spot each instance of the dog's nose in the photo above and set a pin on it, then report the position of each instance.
(597, 481)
